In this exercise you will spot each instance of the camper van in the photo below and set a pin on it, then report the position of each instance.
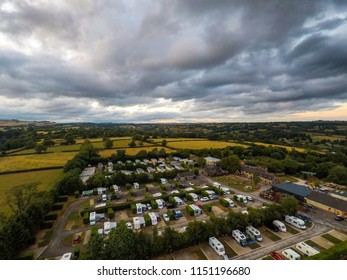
(153, 217)
(306, 249)
(231, 203)
(160, 203)
(290, 254)
(295, 221)
(254, 233)
(140, 208)
(196, 209)
(216, 245)
(194, 196)
(279, 225)
(239, 237)
(92, 218)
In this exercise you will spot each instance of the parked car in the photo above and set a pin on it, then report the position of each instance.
(277, 256)
(339, 218)
(204, 199)
(166, 217)
(191, 183)
(272, 227)
(129, 225)
(76, 239)
(149, 207)
(170, 206)
(303, 217)
(249, 198)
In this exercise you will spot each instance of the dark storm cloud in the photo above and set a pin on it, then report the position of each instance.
(94, 60)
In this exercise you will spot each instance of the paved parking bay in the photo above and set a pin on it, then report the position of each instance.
(283, 234)
(87, 237)
(338, 234)
(236, 246)
(321, 241)
(191, 253)
(266, 241)
(209, 252)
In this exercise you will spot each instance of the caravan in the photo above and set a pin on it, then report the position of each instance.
(196, 209)
(216, 245)
(254, 233)
(239, 237)
(161, 203)
(194, 196)
(241, 198)
(290, 254)
(92, 218)
(216, 185)
(306, 249)
(295, 221)
(279, 225)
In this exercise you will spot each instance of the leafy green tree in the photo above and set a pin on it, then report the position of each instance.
(39, 148)
(132, 144)
(338, 175)
(96, 248)
(230, 163)
(164, 143)
(97, 181)
(108, 143)
(20, 197)
(289, 205)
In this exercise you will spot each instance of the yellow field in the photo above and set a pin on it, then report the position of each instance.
(131, 151)
(316, 137)
(47, 178)
(205, 144)
(80, 140)
(159, 140)
(24, 162)
(288, 148)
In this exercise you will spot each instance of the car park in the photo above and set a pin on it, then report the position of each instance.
(166, 217)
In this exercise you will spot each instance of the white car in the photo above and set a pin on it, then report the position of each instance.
(166, 217)
(204, 199)
(249, 198)
(191, 184)
(129, 225)
(149, 207)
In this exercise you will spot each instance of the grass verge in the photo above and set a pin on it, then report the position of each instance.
(272, 236)
(46, 238)
(331, 238)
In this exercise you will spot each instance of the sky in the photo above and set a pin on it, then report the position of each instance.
(142, 61)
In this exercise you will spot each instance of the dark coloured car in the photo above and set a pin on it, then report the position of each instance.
(303, 217)
(76, 239)
(339, 218)
(272, 227)
(170, 206)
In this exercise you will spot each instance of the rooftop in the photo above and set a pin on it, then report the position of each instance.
(328, 201)
(293, 189)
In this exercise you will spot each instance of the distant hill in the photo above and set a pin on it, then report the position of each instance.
(7, 123)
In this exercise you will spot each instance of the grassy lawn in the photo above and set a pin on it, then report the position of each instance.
(47, 238)
(131, 151)
(74, 221)
(228, 250)
(236, 183)
(25, 162)
(270, 235)
(203, 144)
(308, 224)
(331, 238)
(268, 258)
(334, 253)
(292, 230)
(315, 245)
(68, 240)
(287, 178)
(288, 148)
(253, 246)
(48, 178)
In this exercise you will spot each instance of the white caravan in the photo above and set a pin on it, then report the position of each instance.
(216, 245)
(254, 233)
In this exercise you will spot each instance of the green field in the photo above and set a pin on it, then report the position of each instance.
(25, 162)
(159, 140)
(203, 144)
(288, 148)
(47, 178)
(236, 183)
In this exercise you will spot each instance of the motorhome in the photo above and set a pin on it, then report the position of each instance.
(139, 222)
(194, 196)
(196, 209)
(231, 203)
(254, 233)
(290, 254)
(136, 185)
(163, 181)
(160, 203)
(241, 198)
(225, 190)
(154, 219)
(295, 221)
(306, 249)
(67, 256)
(217, 185)
(211, 194)
(216, 245)
(140, 208)
(92, 219)
(239, 237)
(279, 225)
(178, 201)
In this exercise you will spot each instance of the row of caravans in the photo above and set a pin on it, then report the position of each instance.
(295, 221)
(302, 247)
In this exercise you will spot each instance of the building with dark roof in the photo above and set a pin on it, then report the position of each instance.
(298, 191)
(327, 203)
(264, 176)
(186, 176)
